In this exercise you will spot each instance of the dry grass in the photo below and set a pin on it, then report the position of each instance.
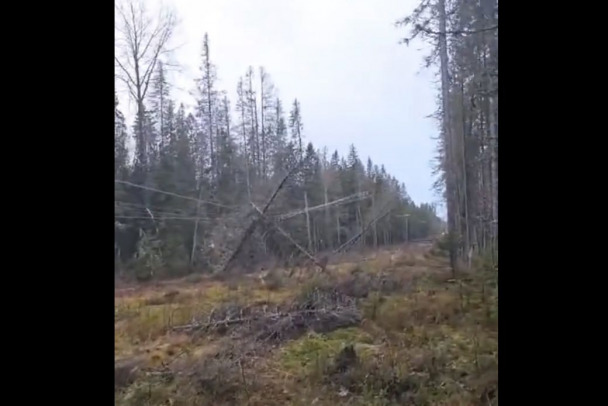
(423, 339)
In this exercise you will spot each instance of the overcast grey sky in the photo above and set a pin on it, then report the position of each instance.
(340, 58)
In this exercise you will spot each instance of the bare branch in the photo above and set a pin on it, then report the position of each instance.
(125, 71)
(141, 42)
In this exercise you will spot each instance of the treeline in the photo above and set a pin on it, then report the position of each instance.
(464, 37)
(184, 200)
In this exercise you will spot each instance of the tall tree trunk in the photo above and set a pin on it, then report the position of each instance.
(375, 224)
(262, 108)
(246, 154)
(452, 208)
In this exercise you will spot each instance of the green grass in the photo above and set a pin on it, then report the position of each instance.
(435, 343)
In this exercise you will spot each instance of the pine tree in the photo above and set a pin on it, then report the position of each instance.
(210, 165)
(296, 127)
(207, 102)
(121, 153)
(160, 107)
(267, 121)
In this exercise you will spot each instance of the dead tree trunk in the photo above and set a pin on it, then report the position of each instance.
(256, 221)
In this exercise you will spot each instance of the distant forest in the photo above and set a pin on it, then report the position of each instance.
(184, 199)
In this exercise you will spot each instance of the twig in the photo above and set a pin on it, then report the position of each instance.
(244, 381)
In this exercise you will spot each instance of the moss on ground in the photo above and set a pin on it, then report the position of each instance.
(434, 343)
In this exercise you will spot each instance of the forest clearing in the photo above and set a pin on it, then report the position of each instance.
(279, 245)
(393, 328)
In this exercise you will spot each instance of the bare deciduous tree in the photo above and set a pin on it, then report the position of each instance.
(141, 40)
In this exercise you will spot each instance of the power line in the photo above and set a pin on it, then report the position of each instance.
(143, 212)
(173, 213)
(154, 214)
(128, 206)
(344, 200)
(203, 219)
(124, 182)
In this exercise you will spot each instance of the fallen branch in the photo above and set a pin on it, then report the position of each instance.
(321, 311)
(261, 316)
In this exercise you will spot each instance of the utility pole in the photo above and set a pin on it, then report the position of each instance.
(407, 226)
(307, 222)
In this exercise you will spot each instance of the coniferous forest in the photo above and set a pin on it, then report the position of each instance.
(184, 194)
(253, 267)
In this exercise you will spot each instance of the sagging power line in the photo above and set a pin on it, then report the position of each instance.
(124, 182)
